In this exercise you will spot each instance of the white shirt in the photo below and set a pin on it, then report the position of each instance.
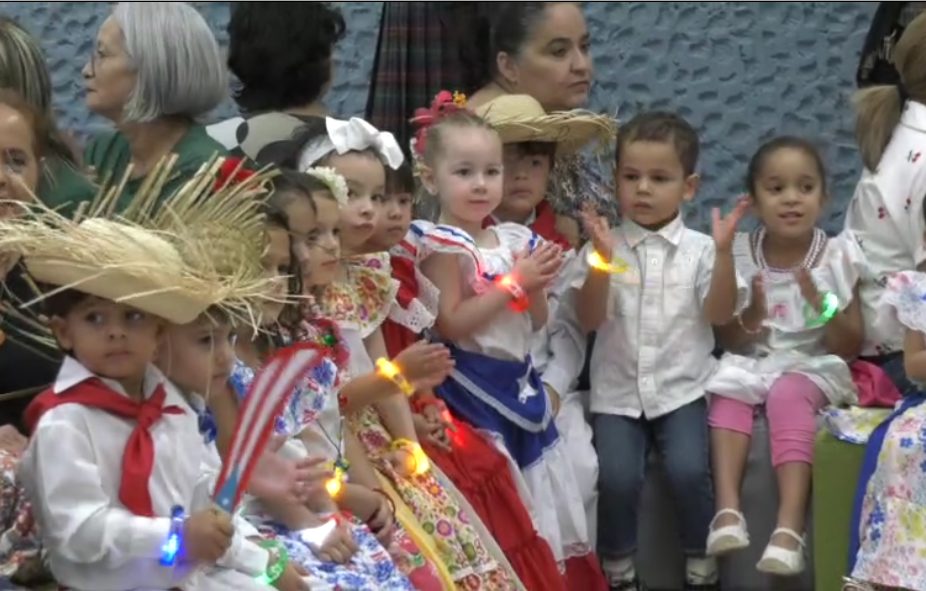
(886, 215)
(72, 472)
(652, 354)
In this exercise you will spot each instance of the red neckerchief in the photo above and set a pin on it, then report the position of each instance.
(138, 457)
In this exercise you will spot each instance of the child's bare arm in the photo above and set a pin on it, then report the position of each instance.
(914, 355)
(459, 317)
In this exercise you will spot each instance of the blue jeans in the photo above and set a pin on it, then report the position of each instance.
(623, 443)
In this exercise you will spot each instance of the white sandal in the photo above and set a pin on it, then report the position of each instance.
(729, 537)
(782, 561)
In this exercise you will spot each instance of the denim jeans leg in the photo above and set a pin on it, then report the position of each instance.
(621, 443)
(682, 439)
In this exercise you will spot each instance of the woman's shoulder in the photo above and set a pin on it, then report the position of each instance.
(64, 186)
(105, 149)
(197, 147)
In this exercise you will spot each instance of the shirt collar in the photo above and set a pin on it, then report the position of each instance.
(73, 373)
(671, 232)
(914, 116)
(530, 219)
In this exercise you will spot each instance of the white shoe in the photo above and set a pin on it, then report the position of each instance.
(781, 561)
(729, 537)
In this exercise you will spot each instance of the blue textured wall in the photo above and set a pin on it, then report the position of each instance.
(741, 72)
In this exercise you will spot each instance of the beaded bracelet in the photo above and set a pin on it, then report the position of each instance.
(174, 541)
(829, 308)
(391, 371)
(276, 568)
(422, 464)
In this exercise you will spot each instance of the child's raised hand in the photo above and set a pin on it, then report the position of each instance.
(282, 480)
(207, 535)
(753, 316)
(425, 364)
(598, 230)
(535, 270)
(724, 229)
(809, 289)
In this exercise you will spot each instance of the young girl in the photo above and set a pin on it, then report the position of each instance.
(887, 540)
(469, 460)
(360, 298)
(492, 285)
(802, 324)
(315, 413)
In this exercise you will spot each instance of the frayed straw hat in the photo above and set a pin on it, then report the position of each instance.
(520, 118)
(173, 257)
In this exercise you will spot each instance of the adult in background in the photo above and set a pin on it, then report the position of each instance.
(281, 57)
(155, 70)
(24, 71)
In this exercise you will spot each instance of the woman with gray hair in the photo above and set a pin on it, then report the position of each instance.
(155, 70)
(23, 71)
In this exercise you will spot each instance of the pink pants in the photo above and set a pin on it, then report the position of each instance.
(791, 409)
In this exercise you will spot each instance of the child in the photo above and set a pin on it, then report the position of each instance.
(533, 140)
(115, 447)
(653, 308)
(468, 459)
(492, 285)
(887, 538)
(802, 324)
(360, 298)
(885, 211)
(314, 413)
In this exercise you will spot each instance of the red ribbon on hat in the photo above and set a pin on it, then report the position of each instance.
(231, 173)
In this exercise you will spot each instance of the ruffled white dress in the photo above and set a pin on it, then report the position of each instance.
(792, 346)
(554, 499)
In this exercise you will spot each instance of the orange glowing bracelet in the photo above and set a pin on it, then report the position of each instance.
(422, 464)
(519, 300)
(598, 262)
(334, 484)
(391, 371)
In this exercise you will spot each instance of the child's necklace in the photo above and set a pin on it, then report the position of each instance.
(817, 244)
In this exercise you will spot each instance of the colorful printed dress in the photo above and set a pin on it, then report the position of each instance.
(360, 306)
(371, 568)
(476, 468)
(495, 388)
(19, 541)
(889, 536)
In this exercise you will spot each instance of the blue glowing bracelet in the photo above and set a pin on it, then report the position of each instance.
(174, 541)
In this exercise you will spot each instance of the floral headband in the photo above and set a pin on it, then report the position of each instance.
(446, 103)
(331, 179)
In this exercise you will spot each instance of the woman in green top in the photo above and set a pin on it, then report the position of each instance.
(156, 68)
(23, 70)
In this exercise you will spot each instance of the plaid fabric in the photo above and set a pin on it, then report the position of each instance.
(418, 54)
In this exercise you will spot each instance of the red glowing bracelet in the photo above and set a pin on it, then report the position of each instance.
(519, 300)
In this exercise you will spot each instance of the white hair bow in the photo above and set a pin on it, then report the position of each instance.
(353, 135)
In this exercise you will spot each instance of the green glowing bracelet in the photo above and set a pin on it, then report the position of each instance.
(830, 305)
(275, 570)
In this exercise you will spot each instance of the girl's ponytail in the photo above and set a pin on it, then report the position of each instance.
(878, 109)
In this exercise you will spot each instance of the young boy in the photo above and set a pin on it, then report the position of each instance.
(652, 297)
(116, 469)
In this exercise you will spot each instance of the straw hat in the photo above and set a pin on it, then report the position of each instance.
(521, 118)
(175, 258)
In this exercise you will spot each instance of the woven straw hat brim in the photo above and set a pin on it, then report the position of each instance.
(569, 132)
(154, 293)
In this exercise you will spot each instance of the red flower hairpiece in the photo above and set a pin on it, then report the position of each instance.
(232, 172)
(444, 104)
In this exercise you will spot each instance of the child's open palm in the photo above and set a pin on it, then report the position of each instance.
(599, 231)
(809, 289)
(723, 228)
(425, 365)
(537, 269)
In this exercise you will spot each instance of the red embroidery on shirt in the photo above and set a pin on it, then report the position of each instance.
(907, 204)
(882, 213)
(913, 156)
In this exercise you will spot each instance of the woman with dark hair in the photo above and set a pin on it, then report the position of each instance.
(540, 49)
(23, 70)
(281, 57)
